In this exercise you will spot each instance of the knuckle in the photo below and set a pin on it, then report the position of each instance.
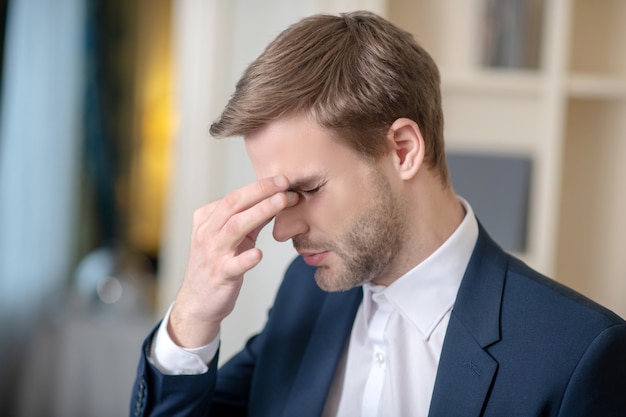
(232, 200)
(264, 186)
(200, 239)
(203, 212)
(232, 226)
(198, 216)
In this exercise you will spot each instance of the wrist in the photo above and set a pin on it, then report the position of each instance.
(189, 332)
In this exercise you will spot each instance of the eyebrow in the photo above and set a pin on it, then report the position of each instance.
(306, 183)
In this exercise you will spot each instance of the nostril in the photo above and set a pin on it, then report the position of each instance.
(277, 236)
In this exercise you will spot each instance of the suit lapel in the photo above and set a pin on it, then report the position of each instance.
(466, 370)
(464, 376)
(310, 388)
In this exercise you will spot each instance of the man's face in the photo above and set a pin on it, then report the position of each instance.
(349, 222)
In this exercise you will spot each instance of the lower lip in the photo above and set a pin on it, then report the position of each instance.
(315, 259)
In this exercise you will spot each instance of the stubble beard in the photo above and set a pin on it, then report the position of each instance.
(370, 243)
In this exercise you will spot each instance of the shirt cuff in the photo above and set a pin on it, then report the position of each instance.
(171, 359)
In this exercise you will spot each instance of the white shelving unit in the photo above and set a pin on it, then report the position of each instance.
(568, 114)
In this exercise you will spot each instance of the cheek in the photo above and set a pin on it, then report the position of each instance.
(323, 214)
(353, 196)
(332, 213)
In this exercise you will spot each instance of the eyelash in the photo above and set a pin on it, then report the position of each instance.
(311, 191)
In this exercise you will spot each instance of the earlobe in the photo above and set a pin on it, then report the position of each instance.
(408, 147)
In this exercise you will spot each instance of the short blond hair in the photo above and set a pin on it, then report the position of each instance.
(355, 74)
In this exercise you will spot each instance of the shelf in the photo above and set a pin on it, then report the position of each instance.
(590, 250)
(567, 114)
(599, 37)
(491, 81)
(450, 30)
(596, 87)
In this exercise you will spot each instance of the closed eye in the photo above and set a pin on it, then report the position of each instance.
(311, 191)
(304, 191)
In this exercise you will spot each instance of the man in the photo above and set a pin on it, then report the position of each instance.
(399, 303)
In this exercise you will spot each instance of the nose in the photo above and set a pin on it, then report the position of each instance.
(289, 223)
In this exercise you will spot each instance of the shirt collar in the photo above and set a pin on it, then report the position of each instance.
(426, 293)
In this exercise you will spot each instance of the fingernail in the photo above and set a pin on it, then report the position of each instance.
(280, 181)
(292, 198)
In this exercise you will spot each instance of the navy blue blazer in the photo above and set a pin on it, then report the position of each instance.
(517, 344)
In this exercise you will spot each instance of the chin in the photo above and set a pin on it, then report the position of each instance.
(331, 281)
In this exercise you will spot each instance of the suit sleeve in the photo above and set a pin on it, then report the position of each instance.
(598, 385)
(156, 394)
(226, 392)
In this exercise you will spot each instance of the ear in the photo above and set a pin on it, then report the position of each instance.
(407, 146)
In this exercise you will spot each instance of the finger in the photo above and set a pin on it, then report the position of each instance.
(245, 197)
(242, 263)
(292, 200)
(248, 223)
(250, 239)
(202, 214)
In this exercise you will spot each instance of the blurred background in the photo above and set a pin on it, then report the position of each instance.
(105, 153)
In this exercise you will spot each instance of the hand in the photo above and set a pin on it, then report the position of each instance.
(222, 250)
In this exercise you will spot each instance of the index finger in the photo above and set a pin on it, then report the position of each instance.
(247, 196)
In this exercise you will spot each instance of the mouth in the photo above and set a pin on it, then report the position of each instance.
(314, 258)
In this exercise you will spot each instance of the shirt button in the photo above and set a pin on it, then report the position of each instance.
(380, 358)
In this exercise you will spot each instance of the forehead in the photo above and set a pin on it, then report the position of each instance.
(297, 147)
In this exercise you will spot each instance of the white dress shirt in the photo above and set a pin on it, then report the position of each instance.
(391, 359)
(390, 362)
(171, 359)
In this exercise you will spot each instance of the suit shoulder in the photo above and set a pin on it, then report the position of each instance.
(548, 294)
(298, 287)
(299, 267)
(300, 275)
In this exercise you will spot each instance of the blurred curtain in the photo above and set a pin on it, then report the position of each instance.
(119, 159)
(40, 134)
(3, 15)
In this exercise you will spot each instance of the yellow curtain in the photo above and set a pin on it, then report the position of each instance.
(153, 125)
